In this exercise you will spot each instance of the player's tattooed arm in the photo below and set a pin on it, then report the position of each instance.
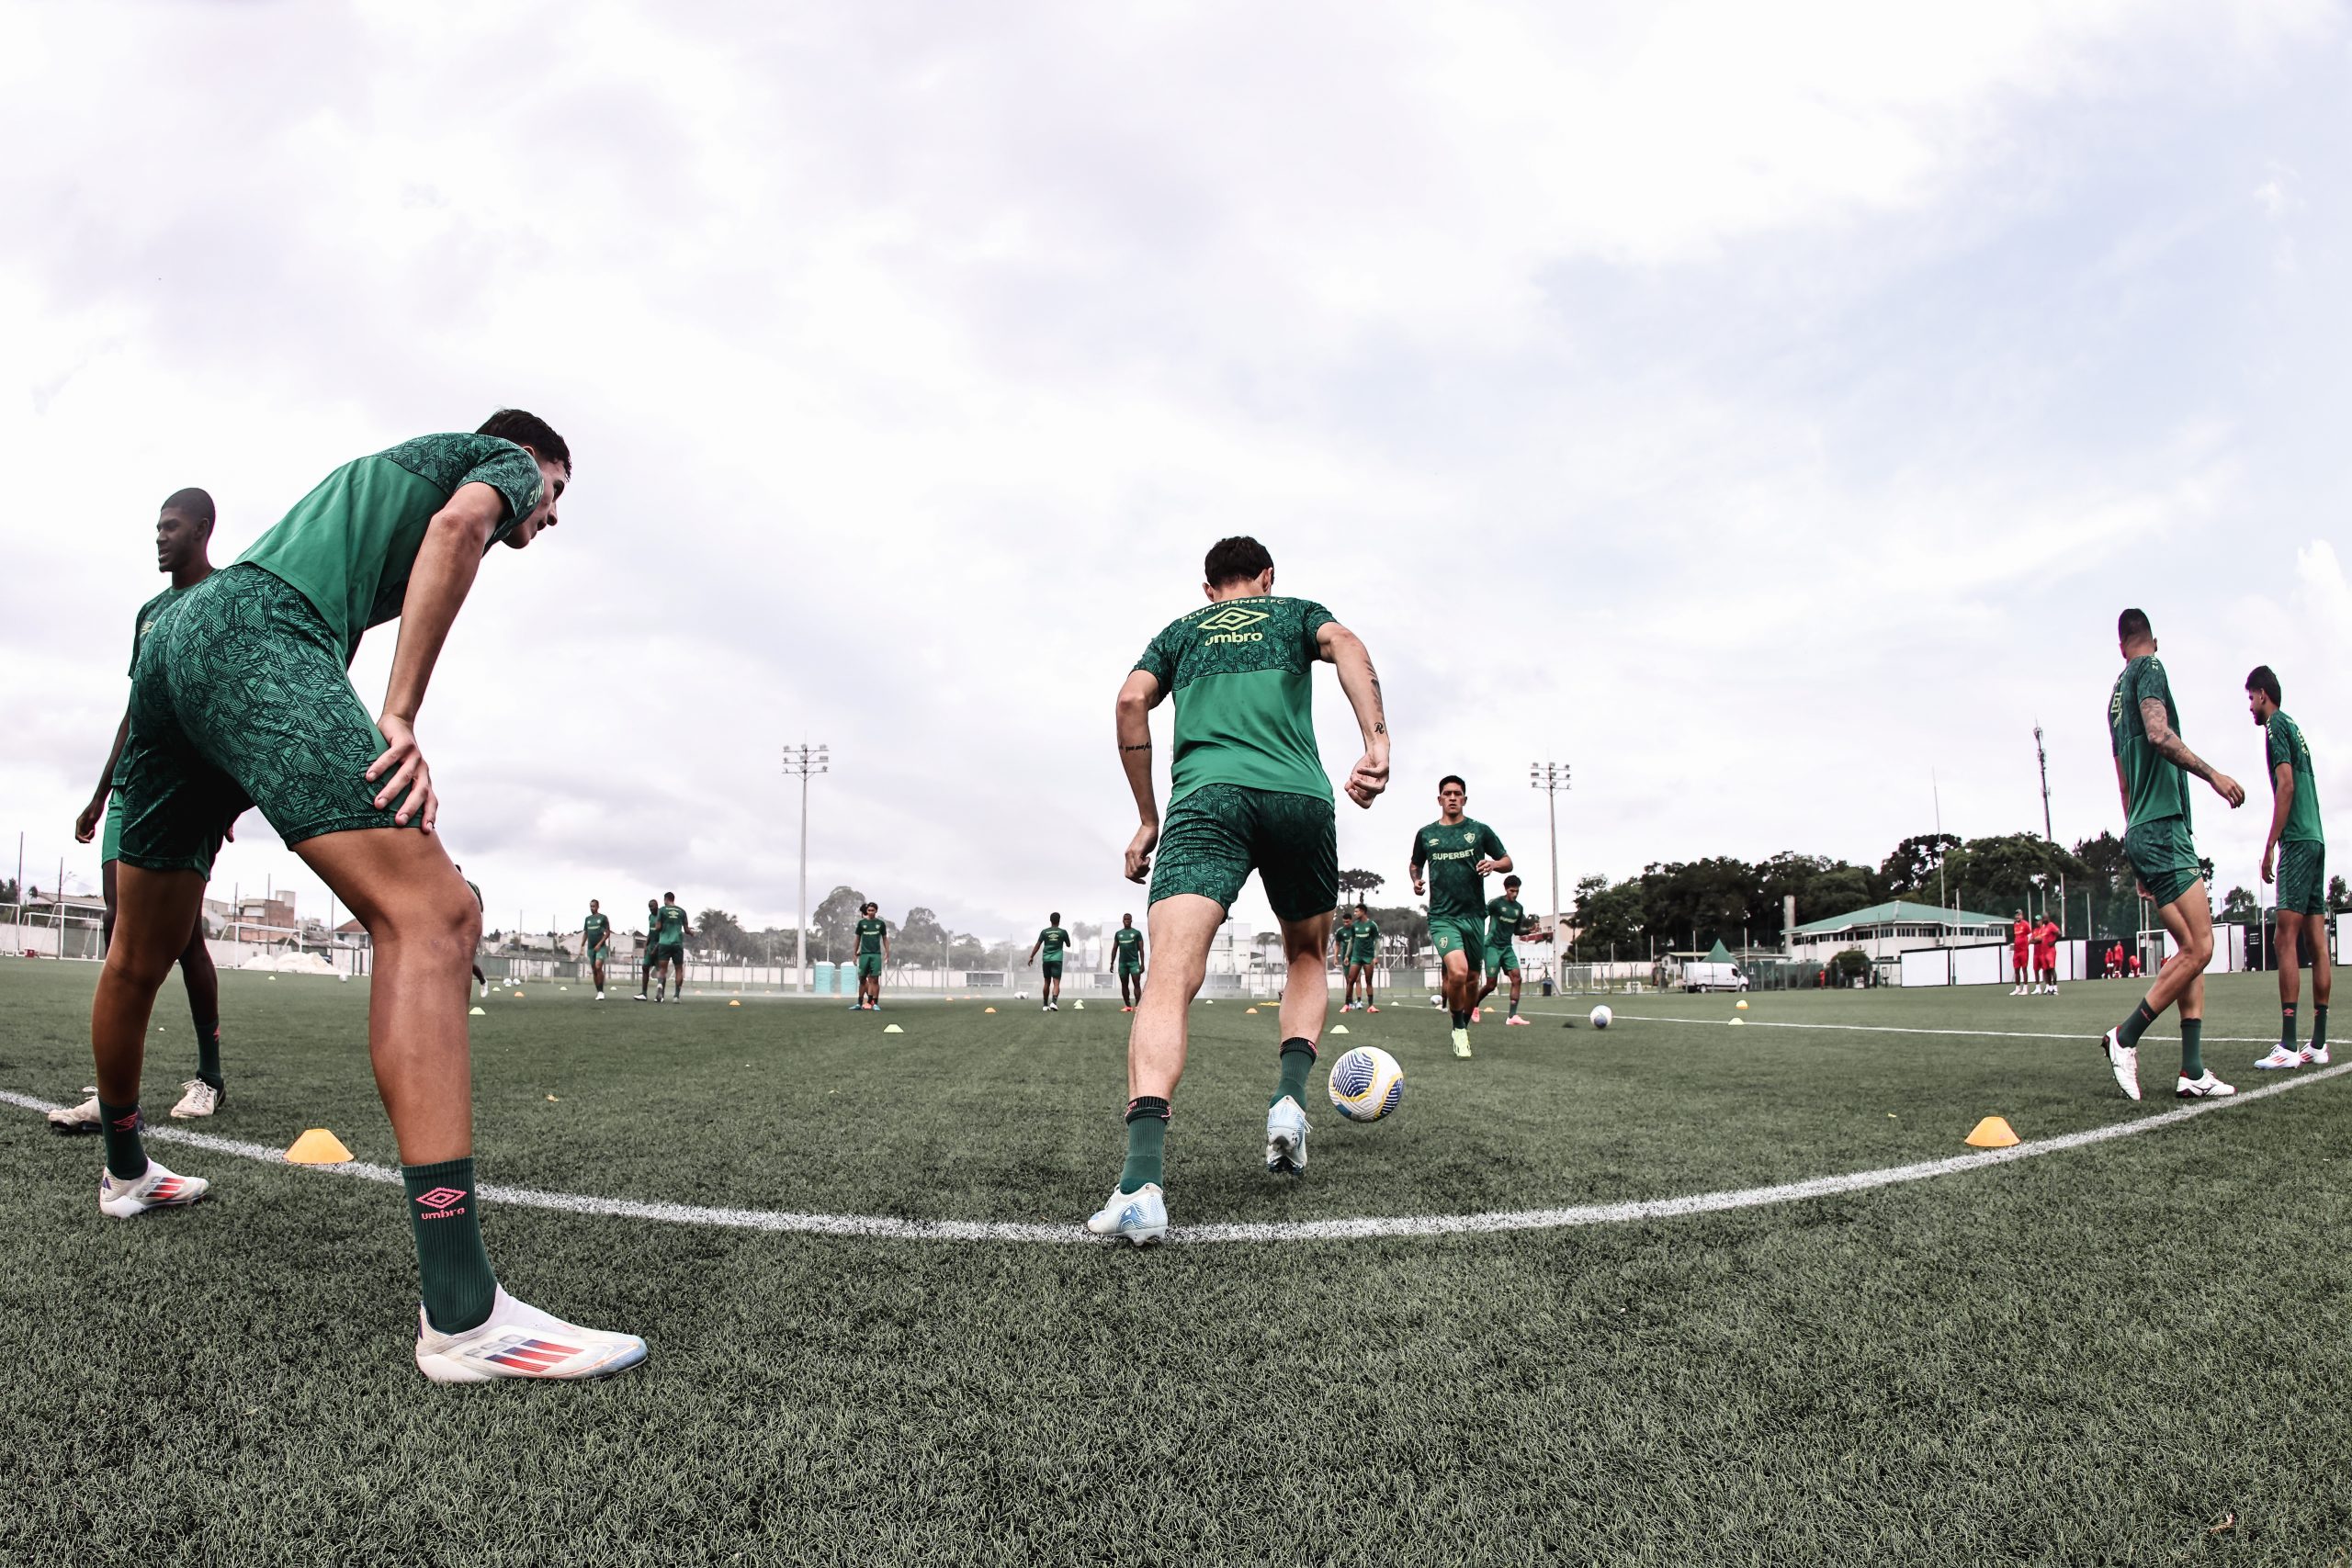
(2174, 749)
(1137, 697)
(1347, 653)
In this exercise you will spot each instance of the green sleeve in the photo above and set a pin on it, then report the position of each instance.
(1420, 855)
(1159, 662)
(1490, 844)
(1313, 618)
(2276, 749)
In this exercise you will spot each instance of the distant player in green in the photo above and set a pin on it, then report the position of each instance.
(1051, 941)
(1127, 953)
(183, 532)
(652, 948)
(1357, 944)
(669, 934)
(2296, 851)
(1247, 792)
(1506, 919)
(475, 888)
(872, 953)
(597, 943)
(241, 697)
(1458, 854)
(2151, 768)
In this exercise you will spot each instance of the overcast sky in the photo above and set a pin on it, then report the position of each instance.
(1762, 409)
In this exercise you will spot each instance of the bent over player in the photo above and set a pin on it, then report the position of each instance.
(2295, 857)
(241, 698)
(1247, 792)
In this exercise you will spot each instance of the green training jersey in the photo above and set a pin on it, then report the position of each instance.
(349, 545)
(1452, 850)
(1240, 673)
(671, 921)
(592, 930)
(2284, 743)
(149, 614)
(1051, 940)
(1504, 916)
(869, 937)
(2155, 787)
(1362, 940)
(653, 925)
(1126, 945)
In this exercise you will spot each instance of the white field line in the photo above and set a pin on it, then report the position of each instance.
(883, 1227)
(1895, 1029)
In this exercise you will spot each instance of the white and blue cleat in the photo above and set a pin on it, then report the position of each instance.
(1286, 1137)
(1141, 1216)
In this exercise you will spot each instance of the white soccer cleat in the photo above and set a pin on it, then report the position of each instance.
(2205, 1088)
(1461, 1042)
(197, 1098)
(158, 1189)
(520, 1341)
(2016, 990)
(2281, 1056)
(81, 1117)
(1141, 1215)
(2314, 1057)
(2125, 1060)
(1286, 1137)
(600, 996)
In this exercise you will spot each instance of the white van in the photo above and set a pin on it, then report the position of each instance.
(1698, 974)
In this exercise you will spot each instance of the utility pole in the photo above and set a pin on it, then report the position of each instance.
(804, 762)
(2042, 760)
(1552, 778)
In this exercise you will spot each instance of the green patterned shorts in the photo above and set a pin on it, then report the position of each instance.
(1502, 958)
(869, 966)
(241, 699)
(2163, 857)
(2303, 877)
(1217, 835)
(1467, 935)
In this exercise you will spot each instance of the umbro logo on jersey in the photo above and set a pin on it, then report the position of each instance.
(1232, 624)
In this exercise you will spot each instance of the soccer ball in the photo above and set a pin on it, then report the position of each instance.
(1436, 1001)
(1366, 1084)
(1600, 1017)
(1020, 996)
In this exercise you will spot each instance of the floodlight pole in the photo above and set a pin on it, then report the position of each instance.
(1552, 778)
(804, 762)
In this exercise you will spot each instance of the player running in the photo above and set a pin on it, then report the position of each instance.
(241, 697)
(1505, 917)
(183, 532)
(669, 934)
(1460, 854)
(1357, 945)
(873, 952)
(2151, 765)
(2020, 953)
(596, 943)
(1247, 792)
(2297, 852)
(1127, 953)
(1051, 941)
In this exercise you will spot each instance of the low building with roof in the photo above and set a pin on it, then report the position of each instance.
(1889, 930)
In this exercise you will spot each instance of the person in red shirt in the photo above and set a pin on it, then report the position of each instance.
(2045, 956)
(2020, 951)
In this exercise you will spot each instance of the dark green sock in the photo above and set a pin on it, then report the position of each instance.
(2286, 1024)
(2132, 1028)
(1460, 1019)
(208, 1055)
(1514, 1009)
(1146, 1141)
(126, 1157)
(1298, 1057)
(2319, 1025)
(452, 1266)
(2192, 1047)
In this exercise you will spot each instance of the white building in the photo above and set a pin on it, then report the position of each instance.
(1885, 930)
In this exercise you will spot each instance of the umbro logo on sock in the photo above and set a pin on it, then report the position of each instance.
(446, 1200)
(128, 1123)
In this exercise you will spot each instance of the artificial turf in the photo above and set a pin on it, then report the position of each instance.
(2131, 1352)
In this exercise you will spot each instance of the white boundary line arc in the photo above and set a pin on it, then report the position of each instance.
(1895, 1029)
(884, 1227)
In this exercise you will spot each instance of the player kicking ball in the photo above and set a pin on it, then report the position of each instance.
(2295, 857)
(183, 532)
(241, 698)
(1357, 946)
(872, 953)
(1247, 792)
(597, 943)
(1127, 953)
(1459, 855)
(1506, 917)
(1052, 942)
(2152, 769)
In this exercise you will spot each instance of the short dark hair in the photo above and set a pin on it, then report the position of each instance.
(2131, 625)
(669, 895)
(1451, 779)
(1511, 881)
(1055, 919)
(2262, 681)
(1361, 911)
(1235, 561)
(191, 502)
(527, 429)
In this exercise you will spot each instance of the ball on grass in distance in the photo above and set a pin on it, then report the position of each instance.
(1366, 1084)
(1600, 1017)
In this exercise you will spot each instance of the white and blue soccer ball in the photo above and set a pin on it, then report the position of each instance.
(1600, 1017)
(1366, 1084)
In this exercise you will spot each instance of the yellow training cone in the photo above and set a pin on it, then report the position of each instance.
(1079, 1006)
(318, 1146)
(519, 993)
(1740, 1005)
(1994, 1132)
(988, 1010)
(1249, 1010)
(1338, 1029)
(1737, 1021)
(475, 1013)
(892, 1029)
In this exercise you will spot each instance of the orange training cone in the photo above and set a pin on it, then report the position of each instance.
(1994, 1132)
(318, 1146)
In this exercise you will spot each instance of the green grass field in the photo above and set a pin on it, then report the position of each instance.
(2131, 1352)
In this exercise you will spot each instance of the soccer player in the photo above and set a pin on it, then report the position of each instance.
(475, 888)
(652, 944)
(1358, 945)
(1459, 855)
(241, 697)
(1505, 916)
(2020, 951)
(595, 942)
(1051, 941)
(873, 952)
(2151, 768)
(669, 935)
(1247, 792)
(2295, 857)
(183, 532)
(1126, 951)
(2045, 956)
